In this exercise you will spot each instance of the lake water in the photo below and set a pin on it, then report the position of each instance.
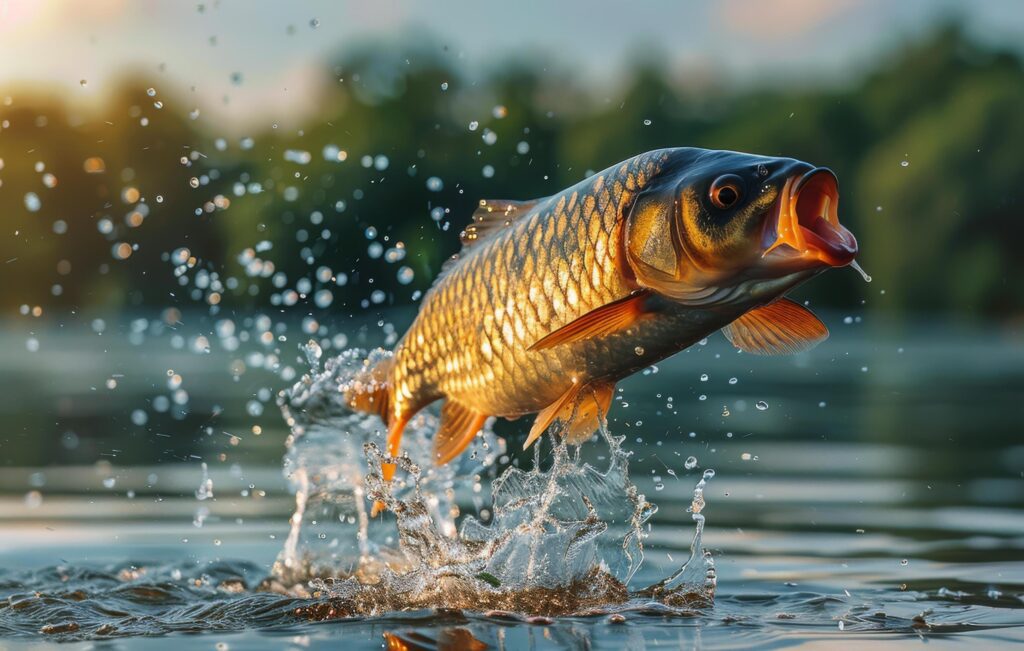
(868, 492)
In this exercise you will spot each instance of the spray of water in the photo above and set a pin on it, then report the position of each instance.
(560, 538)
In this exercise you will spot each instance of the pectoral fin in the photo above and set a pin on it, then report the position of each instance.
(581, 408)
(779, 328)
(459, 425)
(614, 317)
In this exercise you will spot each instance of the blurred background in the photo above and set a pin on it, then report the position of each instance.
(191, 190)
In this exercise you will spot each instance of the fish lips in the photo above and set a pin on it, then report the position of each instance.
(802, 229)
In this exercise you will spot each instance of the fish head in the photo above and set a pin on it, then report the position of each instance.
(715, 224)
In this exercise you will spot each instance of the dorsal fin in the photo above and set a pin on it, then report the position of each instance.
(492, 216)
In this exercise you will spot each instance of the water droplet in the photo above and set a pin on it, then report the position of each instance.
(194, 182)
(761, 405)
(703, 377)
(205, 489)
(863, 274)
(473, 125)
(647, 123)
(904, 562)
(733, 380)
(323, 298)
(444, 85)
(32, 202)
(904, 163)
(109, 482)
(121, 250)
(314, 23)
(639, 350)
(139, 417)
(94, 165)
(690, 463)
(33, 499)
(151, 92)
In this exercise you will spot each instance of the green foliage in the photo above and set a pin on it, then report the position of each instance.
(938, 234)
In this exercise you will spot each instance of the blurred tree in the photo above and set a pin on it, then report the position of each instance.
(370, 193)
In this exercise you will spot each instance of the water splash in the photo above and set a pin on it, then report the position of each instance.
(326, 466)
(697, 577)
(561, 538)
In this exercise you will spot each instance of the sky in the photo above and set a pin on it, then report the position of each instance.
(248, 62)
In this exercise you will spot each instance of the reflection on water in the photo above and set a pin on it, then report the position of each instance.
(879, 493)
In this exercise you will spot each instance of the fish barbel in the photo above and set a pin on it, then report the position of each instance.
(552, 301)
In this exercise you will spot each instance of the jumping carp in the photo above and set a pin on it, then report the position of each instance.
(551, 302)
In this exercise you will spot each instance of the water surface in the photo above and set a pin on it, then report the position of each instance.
(877, 498)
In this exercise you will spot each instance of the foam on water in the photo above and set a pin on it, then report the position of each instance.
(563, 537)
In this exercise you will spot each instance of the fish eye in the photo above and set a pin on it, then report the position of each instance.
(726, 191)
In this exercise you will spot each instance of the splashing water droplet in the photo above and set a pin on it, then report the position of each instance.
(205, 490)
(405, 275)
(32, 202)
(863, 274)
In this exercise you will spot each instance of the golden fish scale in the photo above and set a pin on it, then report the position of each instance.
(471, 337)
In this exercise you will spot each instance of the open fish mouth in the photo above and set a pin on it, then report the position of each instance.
(804, 224)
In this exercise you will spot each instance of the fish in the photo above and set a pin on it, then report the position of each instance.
(551, 302)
